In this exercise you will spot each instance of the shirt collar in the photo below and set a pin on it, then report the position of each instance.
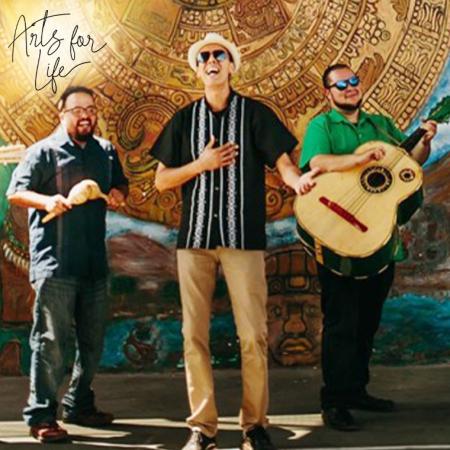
(61, 137)
(337, 117)
(230, 97)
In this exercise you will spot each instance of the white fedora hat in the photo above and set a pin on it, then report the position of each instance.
(213, 38)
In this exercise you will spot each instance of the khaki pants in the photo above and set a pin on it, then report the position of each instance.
(244, 272)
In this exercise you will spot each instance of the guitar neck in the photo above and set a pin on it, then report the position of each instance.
(411, 141)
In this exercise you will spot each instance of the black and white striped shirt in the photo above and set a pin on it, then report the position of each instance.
(224, 207)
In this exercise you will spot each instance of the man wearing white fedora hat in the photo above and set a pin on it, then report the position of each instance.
(216, 149)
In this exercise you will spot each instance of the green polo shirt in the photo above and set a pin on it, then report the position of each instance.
(332, 133)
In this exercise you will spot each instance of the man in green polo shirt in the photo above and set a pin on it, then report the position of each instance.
(351, 307)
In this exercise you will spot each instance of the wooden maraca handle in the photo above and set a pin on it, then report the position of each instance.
(48, 217)
(52, 215)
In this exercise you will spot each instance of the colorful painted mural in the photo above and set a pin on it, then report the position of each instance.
(141, 78)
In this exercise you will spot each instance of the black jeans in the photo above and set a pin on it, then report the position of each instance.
(351, 315)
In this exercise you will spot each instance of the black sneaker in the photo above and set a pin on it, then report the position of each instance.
(369, 403)
(91, 418)
(199, 441)
(339, 419)
(257, 439)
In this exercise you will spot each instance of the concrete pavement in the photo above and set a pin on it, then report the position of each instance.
(150, 411)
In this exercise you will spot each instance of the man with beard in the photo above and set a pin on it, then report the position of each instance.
(216, 149)
(351, 307)
(68, 266)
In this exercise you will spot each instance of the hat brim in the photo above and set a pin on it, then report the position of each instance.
(229, 46)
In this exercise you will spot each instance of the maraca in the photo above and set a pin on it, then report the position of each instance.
(80, 193)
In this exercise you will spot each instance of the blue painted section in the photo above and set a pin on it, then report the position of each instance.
(113, 356)
(414, 330)
(118, 224)
(154, 344)
(20, 335)
(281, 232)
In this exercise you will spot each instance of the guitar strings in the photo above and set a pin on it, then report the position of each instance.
(361, 200)
(354, 199)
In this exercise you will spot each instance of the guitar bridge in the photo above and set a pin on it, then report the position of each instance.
(343, 213)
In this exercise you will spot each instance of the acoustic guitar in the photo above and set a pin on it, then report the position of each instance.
(349, 219)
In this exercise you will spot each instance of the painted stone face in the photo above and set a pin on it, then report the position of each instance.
(295, 325)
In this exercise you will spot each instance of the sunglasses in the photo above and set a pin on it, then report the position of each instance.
(343, 84)
(219, 55)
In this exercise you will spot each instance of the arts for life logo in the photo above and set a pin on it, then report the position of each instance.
(54, 50)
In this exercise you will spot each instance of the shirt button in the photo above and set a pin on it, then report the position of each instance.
(215, 216)
(216, 188)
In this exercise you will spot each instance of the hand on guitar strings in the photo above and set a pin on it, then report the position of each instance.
(306, 181)
(373, 154)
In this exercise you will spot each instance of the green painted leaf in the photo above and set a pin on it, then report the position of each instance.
(441, 112)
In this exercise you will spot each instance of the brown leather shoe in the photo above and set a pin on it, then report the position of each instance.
(49, 432)
(93, 418)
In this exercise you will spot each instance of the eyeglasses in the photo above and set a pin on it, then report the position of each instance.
(343, 84)
(219, 55)
(79, 110)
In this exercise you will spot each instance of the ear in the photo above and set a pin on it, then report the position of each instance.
(197, 72)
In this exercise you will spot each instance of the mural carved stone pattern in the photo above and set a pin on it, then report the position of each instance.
(141, 76)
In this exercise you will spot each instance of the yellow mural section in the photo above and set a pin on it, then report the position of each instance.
(141, 75)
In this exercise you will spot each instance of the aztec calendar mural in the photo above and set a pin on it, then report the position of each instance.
(399, 48)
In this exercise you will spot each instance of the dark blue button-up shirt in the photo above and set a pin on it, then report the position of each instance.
(72, 244)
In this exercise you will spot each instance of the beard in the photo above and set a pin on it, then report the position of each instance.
(84, 137)
(348, 107)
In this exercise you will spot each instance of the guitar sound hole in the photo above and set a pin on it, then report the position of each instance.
(376, 179)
